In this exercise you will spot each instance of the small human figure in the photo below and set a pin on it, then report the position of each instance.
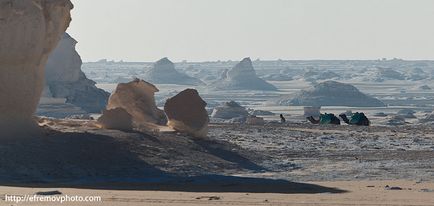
(282, 119)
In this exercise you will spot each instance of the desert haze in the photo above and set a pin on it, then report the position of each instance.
(88, 119)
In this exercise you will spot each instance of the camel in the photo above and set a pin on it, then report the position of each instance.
(325, 119)
(358, 119)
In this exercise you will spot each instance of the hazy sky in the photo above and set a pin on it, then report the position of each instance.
(197, 30)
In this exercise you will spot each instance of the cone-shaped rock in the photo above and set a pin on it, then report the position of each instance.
(137, 98)
(164, 72)
(65, 79)
(186, 113)
(331, 93)
(242, 77)
(29, 31)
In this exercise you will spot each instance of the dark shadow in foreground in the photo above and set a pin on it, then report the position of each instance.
(211, 183)
(123, 161)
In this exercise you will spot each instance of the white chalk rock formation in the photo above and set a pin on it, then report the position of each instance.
(65, 79)
(117, 119)
(242, 77)
(164, 72)
(137, 98)
(331, 93)
(230, 110)
(186, 113)
(29, 31)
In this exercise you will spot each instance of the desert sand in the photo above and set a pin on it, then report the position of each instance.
(273, 164)
(354, 193)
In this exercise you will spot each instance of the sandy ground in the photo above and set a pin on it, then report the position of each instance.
(356, 193)
(305, 152)
(236, 165)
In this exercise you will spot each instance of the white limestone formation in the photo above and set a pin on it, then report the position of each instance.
(164, 72)
(186, 113)
(29, 31)
(331, 93)
(65, 79)
(242, 77)
(230, 110)
(137, 98)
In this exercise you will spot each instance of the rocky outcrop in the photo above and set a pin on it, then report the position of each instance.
(313, 75)
(186, 113)
(137, 98)
(117, 119)
(65, 79)
(425, 87)
(164, 72)
(331, 93)
(407, 113)
(230, 110)
(30, 30)
(416, 74)
(242, 77)
(382, 74)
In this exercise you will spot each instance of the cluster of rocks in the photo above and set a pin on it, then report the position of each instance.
(132, 106)
(232, 112)
(332, 93)
(283, 75)
(164, 72)
(242, 77)
(30, 30)
(396, 120)
(429, 118)
(407, 114)
(381, 74)
(313, 75)
(416, 74)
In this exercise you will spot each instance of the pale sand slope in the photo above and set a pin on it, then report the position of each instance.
(359, 193)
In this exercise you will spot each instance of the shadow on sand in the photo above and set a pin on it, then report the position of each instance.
(219, 150)
(94, 161)
(212, 183)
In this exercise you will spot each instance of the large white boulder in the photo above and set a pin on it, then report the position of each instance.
(29, 31)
